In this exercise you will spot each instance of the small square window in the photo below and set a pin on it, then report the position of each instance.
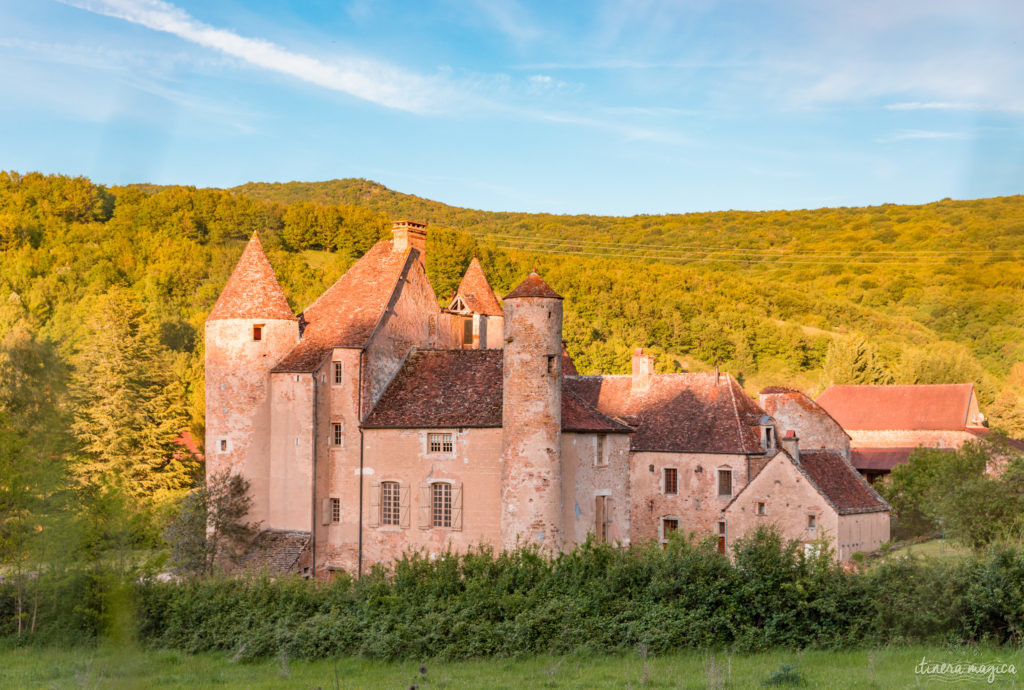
(760, 508)
(335, 510)
(440, 443)
(339, 373)
(257, 332)
(338, 434)
(671, 481)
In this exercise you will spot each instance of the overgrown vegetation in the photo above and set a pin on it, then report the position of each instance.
(597, 598)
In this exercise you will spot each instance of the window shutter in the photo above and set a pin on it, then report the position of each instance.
(457, 506)
(373, 519)
(609, 507)
(599, 517)
(325, 511)
(424, 506)
(403, 505)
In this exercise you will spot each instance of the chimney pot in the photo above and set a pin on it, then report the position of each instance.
(409, 233)
(643, 370)
(791, 444)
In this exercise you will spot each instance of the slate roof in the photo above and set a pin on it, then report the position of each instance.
(842, 485)
(252, 291)
(463, 388)
(276, 551)
(919, 407)
(347, 314)
(533, 286)
(476, 292)
(683, 413)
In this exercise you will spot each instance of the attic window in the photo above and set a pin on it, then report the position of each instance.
(760, 508)
(257, 332)
(769, 438)
(812, 521)
(440, 443)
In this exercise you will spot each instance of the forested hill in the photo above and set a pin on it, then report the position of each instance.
(92, 278)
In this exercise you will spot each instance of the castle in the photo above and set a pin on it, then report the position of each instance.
(376, 422)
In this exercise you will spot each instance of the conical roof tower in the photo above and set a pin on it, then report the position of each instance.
(252, 291)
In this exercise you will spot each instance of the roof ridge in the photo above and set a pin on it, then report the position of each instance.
(735, 411)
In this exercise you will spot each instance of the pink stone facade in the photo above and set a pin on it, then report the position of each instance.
(376, 423)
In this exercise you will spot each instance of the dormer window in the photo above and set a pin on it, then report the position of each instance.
(769, 438)
(257, 332)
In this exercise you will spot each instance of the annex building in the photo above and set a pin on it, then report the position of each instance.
(375, 422)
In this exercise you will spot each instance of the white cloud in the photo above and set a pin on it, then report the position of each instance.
(940, 105)
(906, 134)
(365, 79)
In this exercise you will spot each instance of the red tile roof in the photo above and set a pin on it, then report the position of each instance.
(533, 286)
(879, 459)
(347, 314)
(838, 482)
(476, 292)
(683, 413)
(252, 291)
(922, 407)
(463, 388)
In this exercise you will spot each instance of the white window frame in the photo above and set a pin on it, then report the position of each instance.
(442, 438)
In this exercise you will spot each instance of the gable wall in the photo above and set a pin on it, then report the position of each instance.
(814, 429)
(907, 438)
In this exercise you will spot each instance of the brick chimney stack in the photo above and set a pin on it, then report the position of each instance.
(791, 444)
(409, 233)
(643, 370)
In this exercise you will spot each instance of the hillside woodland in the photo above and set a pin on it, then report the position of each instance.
(104, 290)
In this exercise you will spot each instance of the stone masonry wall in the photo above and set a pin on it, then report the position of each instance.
(584, 478)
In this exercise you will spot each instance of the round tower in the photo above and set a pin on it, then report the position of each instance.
(531, 419)
(250, 329)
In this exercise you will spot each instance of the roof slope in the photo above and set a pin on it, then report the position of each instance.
(842, 485)
(252, 291)
(347, 314)
(463, 388)
(921, 407)
(476, 292)
(879, 459)
(533, 286)
(775, 396)
(683, 413)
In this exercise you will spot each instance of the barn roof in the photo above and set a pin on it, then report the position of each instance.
(252, 290)
(347, 314)
(879, 459)
(463, 388)
(918, 407)
(683, 413)
(476, 292)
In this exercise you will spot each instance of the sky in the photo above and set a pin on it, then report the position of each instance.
(615, 107)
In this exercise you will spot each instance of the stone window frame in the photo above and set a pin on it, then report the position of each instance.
(600, 450)
(665, 483)
(440, 436)
(662, 532)
(718, 481)
(376, 504)
(425, 507)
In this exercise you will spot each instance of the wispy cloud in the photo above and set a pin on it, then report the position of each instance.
(361, 78)
(941, 105)
(906, 134)
(510, 19)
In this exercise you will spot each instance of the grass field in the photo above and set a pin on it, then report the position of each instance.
(892, 667)
(934, 549)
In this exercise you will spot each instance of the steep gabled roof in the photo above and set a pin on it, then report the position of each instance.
(879, 459)
(919, 407)
(533, 286)
(476, 293)
(347, 314)
(775, 397)
(252, 291)
(682, 413)
(842, 485)
(463, 388)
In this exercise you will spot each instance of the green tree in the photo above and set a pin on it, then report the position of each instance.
(854, 360)
(129, 409)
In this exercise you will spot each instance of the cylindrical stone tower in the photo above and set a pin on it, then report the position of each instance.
(250, 329)
(531, 419)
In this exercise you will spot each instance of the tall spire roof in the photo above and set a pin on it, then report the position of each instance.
(476, 292)
(252, 291)
(533, 286)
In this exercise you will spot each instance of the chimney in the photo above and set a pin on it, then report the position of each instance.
(643, 370)
(791, 444)
(409, 233)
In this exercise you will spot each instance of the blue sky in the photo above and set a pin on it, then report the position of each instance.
(617, 107)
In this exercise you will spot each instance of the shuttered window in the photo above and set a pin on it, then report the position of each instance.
(389, 504)
(440, 505)
(390, 510)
